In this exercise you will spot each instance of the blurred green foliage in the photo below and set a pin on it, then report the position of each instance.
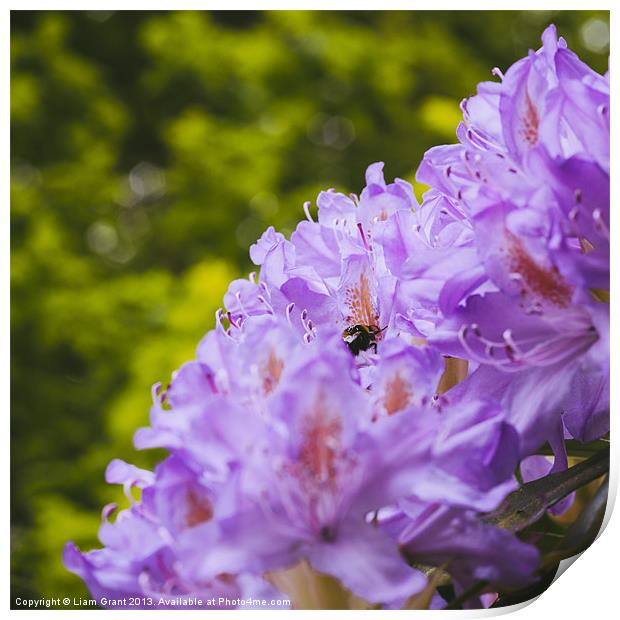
(148, 151)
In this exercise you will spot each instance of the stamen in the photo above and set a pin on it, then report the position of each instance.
(497, 72)
(466, 158)
(231, 320)
(361, 229)
(156, 393)
(266, 303)
(510, 343)
(219, 319)
(108, 511)
(544, 353)
(164, 395)
(489, 351)
(266, 290)
(289, 309)
(127, 491)
(473, 137)
(238, 298)
(307, 211)
(308, 326)
(600, 223)
(509, 353)
(478, 140)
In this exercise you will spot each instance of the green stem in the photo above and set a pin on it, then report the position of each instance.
(529, 503)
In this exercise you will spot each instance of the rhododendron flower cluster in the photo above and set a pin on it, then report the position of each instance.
(369, 395)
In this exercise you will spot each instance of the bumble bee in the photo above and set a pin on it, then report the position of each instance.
(361, 337)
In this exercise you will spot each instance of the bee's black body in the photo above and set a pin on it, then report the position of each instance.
(361, 337)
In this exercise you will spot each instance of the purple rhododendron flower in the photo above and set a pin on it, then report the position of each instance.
(284, 454)
(438, 534)
(148, 554)
(332, 269)
(506, 263)
(322, 429)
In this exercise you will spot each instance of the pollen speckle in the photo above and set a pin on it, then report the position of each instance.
(199, 509)
(271, 370)
(359, 302)
(546, 283)
(319, 450)
(397, 394)
(529, 122)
